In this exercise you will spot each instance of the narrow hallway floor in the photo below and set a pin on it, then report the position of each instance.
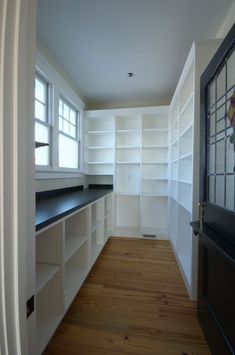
(133, 302)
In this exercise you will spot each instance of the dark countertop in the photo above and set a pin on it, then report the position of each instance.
(51, 209)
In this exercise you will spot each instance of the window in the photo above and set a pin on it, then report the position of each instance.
(42, 127)
(68, 135)
(58, 122)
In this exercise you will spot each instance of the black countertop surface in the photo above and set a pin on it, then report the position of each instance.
(51, 209)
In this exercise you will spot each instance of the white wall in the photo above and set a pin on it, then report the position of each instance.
(227, 22)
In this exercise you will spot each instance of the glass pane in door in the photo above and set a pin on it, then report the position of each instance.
(221, 136)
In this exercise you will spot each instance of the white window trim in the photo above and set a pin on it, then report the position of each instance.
(59, 88)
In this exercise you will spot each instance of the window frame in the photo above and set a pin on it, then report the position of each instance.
(48, 122)
(59, 88)
(77, 126)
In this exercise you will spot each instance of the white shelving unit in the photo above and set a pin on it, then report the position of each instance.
(65, 253)
(99, 145)
(140, 159)
(154, 183)
(184, 161)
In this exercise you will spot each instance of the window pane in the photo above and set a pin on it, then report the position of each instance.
(68, 152)
(60, 123)
(42, 156)
(220, 191)
(66, 112)
(66, 127)
(40, 90)
(40, 111)
(41, 133)
(72, 131)
(60, 108)
(73, 117)
(42, 153)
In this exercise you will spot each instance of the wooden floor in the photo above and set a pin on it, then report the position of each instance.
(133, 302)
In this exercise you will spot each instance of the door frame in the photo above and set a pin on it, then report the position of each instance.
(17, 226)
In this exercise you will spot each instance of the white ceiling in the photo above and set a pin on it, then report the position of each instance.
(98, 42)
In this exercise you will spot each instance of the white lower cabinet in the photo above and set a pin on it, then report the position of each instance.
(65, 253)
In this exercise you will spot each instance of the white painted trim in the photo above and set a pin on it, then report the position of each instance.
(16, 173)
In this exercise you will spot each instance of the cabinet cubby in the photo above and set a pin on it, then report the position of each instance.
(153, 171)
(185, 169)
(155, 155)
(155, 187)
(99, 154)
(128, 138)
(128, 122)
(97, 241)
(127, 214)
(128, 178)
(154, 121)
(97, 214)
(158, 137)
(49, 310)
(128, 155)
(76, 269)
(153, 215)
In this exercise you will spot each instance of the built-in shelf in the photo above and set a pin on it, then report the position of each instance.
(44, 273)
(72, 243)
(186, 156)
(107, 131)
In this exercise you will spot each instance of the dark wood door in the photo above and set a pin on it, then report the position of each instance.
(216, 305)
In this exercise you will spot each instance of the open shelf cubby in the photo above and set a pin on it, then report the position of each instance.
(76, 269)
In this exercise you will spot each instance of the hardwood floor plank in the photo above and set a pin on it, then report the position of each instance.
(132, 302)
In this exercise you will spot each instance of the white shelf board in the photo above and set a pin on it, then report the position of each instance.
(154, 130)
(106, 131)
(186, 129)
(154, 179)
(127, 147)
(186, 156)
(128, 162)
(72, 243)
(98, 174)
(128, 130)
(174, 160)
(44, 272)
(187, 103)
(154, 146)
(185, 181)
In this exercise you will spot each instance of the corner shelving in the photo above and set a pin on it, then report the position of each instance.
(184, 184)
